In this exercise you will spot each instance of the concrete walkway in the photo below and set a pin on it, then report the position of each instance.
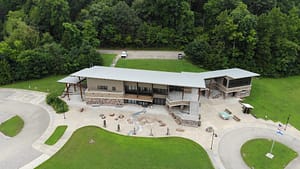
(225, 153)
(231, 143)
(18, 151)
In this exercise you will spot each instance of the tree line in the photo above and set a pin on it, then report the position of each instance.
(44, 37)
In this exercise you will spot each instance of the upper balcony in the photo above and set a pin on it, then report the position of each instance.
(234, 89)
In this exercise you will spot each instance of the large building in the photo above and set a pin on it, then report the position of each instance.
(180, 92)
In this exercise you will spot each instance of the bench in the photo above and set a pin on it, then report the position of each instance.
(228, 111)
(236, 118)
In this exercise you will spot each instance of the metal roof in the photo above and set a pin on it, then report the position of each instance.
(69, 79)
(141, 76)
(234, 73)
(247, 105)
(184, 79)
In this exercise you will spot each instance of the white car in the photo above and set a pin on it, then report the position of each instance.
(124, 54)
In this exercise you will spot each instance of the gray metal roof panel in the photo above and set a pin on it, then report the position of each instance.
(142, 76)
(235, 73)
(184, 79)
(69, 79)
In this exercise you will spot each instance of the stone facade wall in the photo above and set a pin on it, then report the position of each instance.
(104, 101)
(89, 94)
(189, 123)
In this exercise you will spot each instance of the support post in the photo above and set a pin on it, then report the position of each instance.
(80, 91)
(137, 89)
(67, 92)
(199, 92)
(272, 146)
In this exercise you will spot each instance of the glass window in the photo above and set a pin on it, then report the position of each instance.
(100, 87)
(239, 82)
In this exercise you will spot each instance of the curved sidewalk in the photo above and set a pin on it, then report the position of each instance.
(232, 141)
(226, 149)
(18, 151)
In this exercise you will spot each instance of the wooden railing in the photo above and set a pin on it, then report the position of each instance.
(172, 103)
(234, 89)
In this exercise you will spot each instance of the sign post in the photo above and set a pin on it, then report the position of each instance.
(278, 132)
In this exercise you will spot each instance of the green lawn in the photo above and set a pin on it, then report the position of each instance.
(159, 64)
(108, 59)
(276, 99)
(47, 84)
(56, 135)
(12, 126)
(253, 153)
(113, 151)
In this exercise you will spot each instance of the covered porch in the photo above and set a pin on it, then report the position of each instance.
(71, 85)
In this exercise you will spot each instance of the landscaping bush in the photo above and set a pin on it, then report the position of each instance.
(58, 105)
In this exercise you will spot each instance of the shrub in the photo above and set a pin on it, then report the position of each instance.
(58, 105)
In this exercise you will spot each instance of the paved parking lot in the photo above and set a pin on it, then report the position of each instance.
(18, 151)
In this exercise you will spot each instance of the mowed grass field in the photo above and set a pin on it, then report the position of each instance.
(113, 151)
(275, 99)
(56, 135)
(160, 65)
(254, 151)
(47, 84)
(108, 59)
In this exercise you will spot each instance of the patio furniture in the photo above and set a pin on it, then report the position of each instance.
(236, 118)
(225, 115)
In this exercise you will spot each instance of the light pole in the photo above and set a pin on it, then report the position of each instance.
(212, 138)
(287, 121)
(118, 128)
(104, 123)
(64, 115)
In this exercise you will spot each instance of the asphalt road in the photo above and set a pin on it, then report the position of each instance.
(17, 151)
(231, 143)
(145, 54)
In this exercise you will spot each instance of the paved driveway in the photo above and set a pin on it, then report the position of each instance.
(230, 145)
(18, 151)
(146, 54)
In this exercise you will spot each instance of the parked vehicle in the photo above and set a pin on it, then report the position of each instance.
(124, 54)
(180, 56)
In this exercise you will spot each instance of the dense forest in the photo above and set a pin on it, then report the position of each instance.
(44, 37)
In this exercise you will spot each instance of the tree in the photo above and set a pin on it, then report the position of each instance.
(32, 64)
(5, 72)
(71, 36)
(213, 8)
(259, 7)
(17, 33)
(49, 16)
(125, 19)
(237, 29)
(76, 6)
(89, 34)
(277, 53)
(57, 58)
